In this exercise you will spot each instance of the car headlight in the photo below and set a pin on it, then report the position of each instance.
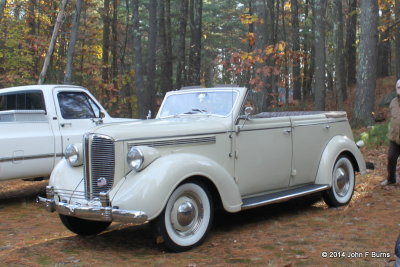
(135, 158)
(139, 157)
(73, 154)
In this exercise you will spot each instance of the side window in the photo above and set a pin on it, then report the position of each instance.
(28, 100)
(77, 105)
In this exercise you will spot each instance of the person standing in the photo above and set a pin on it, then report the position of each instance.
(394, 138)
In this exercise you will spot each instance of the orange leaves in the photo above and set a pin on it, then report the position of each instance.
(279, 48)
(247, 19)
(269, 49)
(250, 38)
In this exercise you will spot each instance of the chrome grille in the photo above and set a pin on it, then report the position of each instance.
(100, 165)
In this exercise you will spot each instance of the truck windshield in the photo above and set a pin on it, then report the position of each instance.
(218, 103)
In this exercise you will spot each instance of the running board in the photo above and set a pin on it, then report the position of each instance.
(254, 202)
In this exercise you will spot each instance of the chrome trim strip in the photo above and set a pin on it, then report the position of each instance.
(255, 202)
(86, 165)
(43, 156)
(170, 137)
(337, 121)
(264, 129)
(310, 124)
(318, 123)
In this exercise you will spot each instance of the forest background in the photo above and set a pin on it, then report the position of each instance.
(130, 52)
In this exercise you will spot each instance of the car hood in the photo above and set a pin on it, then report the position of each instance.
(160, 128)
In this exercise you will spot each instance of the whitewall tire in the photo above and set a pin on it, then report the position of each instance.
(343, 181)
(187, 217)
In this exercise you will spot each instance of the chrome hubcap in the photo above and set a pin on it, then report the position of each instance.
(342, 181)
(186, 214)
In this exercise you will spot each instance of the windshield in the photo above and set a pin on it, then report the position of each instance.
(217, 103)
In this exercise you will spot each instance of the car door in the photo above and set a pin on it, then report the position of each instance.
(77, 113)
(263, 152)
(311, 134)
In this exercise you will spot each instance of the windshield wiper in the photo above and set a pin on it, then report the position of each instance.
(196, 111)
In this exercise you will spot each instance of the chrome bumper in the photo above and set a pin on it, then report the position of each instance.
(103, 213)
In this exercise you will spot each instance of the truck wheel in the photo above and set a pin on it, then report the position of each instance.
(187, 217)
(343, 180)
(83, 227)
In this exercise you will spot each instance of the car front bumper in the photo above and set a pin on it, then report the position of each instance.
(103, 212)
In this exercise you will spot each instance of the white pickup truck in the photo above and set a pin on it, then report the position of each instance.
(38, 122)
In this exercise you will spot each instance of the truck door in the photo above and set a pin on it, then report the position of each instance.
(77, 112)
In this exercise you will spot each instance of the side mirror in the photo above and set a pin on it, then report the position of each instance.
(102, 115)
(248, 111)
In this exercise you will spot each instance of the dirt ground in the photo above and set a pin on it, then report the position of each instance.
(295, 233)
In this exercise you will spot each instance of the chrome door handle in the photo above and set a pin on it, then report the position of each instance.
(327, 127)
(287, 131)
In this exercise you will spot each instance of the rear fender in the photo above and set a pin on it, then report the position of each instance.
(338, 145)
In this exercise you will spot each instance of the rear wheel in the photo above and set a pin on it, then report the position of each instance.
(343, 181)
(83, 227)
(187, 217)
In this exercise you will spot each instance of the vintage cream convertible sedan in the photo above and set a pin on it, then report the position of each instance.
(205, 148)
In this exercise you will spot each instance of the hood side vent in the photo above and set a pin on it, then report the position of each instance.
(176, 142)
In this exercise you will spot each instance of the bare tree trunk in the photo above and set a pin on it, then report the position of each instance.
(366, 69)
(114, 45)
(296, 48)
(151, 64)
(83, 42)
(72, 42)
(397, 37)
(31, 20)
(264, 36)
(260, 28)
(52, 42)
(340, 80)
(320, 58)
(181, 46)
(168, 52)
(196, 10)
(125, 93)
(308, 59)
(249, 73)
(384, 46)
(137, 47)
(2, 5)
(106, 41)
(165, 42)
(351, 51)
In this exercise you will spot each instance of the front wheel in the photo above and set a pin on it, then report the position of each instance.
(83, 227)
(187, 217)
(343, 181)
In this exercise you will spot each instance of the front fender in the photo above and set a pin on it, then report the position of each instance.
(336, 146)
(66, 177)
(149, 189)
